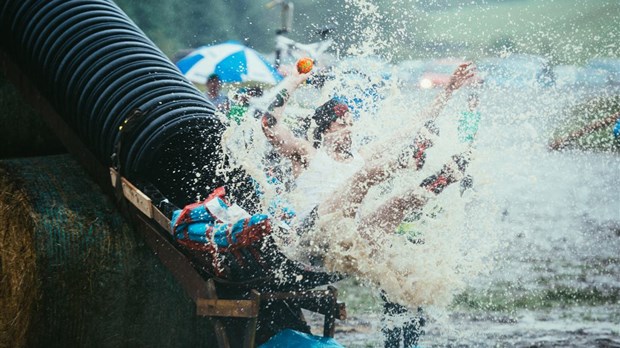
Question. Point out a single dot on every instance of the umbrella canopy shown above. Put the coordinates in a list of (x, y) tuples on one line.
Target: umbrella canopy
[(231, 61)]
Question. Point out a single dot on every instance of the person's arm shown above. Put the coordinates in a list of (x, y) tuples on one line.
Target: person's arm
[(408, 135), (278, 134), (559, 143), (462, 73)]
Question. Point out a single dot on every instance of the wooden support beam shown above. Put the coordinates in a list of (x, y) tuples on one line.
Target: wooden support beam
[(140, 200), (220, 330), (227, 308), (137, 198), (250, 330), (320, 301), (161, 220), (329, 323)]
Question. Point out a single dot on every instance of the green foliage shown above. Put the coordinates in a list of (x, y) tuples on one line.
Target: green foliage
[(182, 24), (358, 297), (569, 31), (509, 299)]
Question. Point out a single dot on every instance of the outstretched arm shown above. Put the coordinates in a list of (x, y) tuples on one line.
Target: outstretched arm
[(460, 76), (408, 135), (559, 143), (278, 134)]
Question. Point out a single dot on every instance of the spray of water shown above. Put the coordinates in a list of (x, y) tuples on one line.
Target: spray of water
[(438, 248), (528, 206)]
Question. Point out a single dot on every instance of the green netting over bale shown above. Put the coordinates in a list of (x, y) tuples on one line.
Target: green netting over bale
[(98, 285), (22, 131)]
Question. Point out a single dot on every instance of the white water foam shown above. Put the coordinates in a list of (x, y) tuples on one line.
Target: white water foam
[(454, 239)]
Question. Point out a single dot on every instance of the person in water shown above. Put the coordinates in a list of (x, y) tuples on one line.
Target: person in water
[(331, 177)]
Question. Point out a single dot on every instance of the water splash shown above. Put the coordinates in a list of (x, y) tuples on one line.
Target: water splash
[(528, 206), (454, 244)]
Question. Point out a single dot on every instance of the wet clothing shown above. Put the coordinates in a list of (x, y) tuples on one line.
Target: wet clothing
[(409, 331), (236, 112), (468, 126)]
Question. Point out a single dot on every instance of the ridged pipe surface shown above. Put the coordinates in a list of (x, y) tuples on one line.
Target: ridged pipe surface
[(95, 66)]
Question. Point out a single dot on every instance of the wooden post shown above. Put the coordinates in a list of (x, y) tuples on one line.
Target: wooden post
[(250, 330), (329, 325), (220, 331)]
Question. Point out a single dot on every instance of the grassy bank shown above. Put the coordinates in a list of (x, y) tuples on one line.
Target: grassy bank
[(503, 300), (569, 32)]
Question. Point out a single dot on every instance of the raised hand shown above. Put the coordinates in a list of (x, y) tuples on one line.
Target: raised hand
[(462, 73), (298, 77)]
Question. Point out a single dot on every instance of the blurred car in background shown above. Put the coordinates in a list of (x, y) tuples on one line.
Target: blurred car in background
[(437, 73)]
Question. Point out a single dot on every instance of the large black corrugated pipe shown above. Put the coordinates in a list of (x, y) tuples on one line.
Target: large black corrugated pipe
[(95, 66)]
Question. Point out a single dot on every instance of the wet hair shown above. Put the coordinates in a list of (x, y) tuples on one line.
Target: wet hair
[(324, 116)]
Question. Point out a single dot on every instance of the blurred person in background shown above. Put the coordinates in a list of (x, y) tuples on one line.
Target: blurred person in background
[(214, 93), (240, 102)]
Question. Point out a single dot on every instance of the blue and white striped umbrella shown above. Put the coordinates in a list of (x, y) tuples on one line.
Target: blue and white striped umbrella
[(231, 61)]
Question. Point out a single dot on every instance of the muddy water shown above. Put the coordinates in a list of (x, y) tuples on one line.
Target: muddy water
[(555, 280)]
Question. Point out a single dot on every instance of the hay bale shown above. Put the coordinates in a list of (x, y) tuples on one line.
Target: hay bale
[(18, 279), (86, 277)]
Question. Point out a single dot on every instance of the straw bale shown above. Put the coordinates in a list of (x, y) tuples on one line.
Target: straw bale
[(88, 280), (18, 279)]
